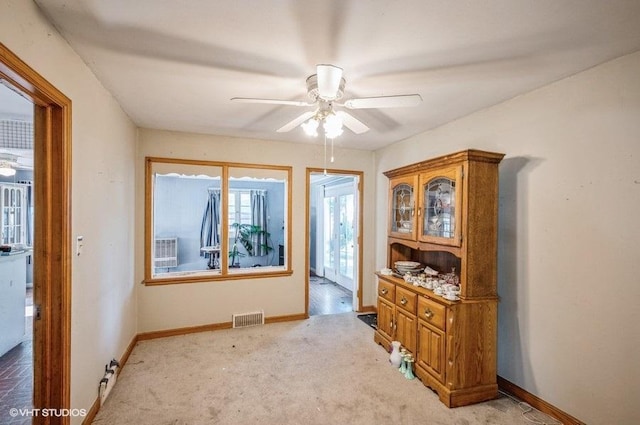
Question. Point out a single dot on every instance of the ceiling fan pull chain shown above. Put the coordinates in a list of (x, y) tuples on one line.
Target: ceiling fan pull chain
[(331, 150), (325, 154)]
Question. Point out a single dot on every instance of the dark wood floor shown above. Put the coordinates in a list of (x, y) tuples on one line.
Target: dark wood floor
[(327, 297), (16, 377)]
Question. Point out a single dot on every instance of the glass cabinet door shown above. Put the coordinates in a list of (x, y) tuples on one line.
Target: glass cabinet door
[(440, 206), (403, 208), (13, 215)]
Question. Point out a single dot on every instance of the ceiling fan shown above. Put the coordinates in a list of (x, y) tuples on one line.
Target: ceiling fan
[(325, 89)]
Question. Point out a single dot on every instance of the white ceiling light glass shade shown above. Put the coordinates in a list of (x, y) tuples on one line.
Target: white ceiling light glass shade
[(311, 127), (6, 170), (333, 126), (329, 77)]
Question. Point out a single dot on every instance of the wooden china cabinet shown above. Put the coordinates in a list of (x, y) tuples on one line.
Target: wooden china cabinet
[(444, 214)]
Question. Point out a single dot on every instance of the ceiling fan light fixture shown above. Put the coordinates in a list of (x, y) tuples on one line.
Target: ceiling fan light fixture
[(333, 126), (311, 127), (329, 78), (325, 89), (6, 170)]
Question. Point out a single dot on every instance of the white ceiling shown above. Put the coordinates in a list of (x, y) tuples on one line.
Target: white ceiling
[(175, 64)]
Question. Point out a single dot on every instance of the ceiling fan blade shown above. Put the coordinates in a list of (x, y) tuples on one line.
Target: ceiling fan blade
[(270, 101), (352, 123), (329, 77), (296, 122), (398, 101)]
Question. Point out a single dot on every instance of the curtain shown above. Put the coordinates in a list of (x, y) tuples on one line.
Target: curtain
[(209, 234), (259, 218)]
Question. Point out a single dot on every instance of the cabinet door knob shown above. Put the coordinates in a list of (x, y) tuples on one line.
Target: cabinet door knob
[(403, 301), (384, 291), (428, 313)]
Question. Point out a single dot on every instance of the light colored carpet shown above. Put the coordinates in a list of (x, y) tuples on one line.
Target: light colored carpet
[(324, 370)]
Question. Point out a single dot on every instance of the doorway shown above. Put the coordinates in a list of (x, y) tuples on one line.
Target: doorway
[(16, 242), (335, 231), (333, 242), (52, 235)]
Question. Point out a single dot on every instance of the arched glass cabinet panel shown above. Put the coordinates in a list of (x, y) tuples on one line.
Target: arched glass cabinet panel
[(440, 206), (403, 208)]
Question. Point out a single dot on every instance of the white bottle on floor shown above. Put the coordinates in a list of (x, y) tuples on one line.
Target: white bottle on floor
[(395, 358)]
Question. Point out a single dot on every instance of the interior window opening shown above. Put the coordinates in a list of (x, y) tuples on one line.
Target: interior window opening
[(212, 220)]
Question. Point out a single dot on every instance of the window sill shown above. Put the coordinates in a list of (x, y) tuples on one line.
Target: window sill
[(217, 276)]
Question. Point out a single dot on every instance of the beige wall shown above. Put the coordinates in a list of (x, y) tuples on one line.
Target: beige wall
[(569, 201), (177, 306), (569, 261), (103, 297)]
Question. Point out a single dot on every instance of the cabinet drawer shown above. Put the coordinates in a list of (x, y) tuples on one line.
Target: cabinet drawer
[(406, 299), (386, 290), (432, 312)]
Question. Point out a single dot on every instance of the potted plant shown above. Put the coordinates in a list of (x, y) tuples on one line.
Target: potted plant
[(244, 233), (235, 254)]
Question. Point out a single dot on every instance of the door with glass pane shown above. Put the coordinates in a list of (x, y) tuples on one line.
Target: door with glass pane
[(339, 235)]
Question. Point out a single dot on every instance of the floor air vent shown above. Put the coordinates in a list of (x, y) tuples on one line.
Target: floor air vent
[(248, 319)]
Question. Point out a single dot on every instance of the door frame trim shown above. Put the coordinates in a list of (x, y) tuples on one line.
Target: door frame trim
[(52, 242), (307, 261)]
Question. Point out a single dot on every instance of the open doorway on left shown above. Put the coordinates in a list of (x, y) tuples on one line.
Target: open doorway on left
[(16, 241)]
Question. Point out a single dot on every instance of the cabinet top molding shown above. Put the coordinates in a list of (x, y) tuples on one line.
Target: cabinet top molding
[(466, 155)]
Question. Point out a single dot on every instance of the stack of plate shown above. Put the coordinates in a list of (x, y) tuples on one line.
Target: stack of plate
[(407, 267)]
